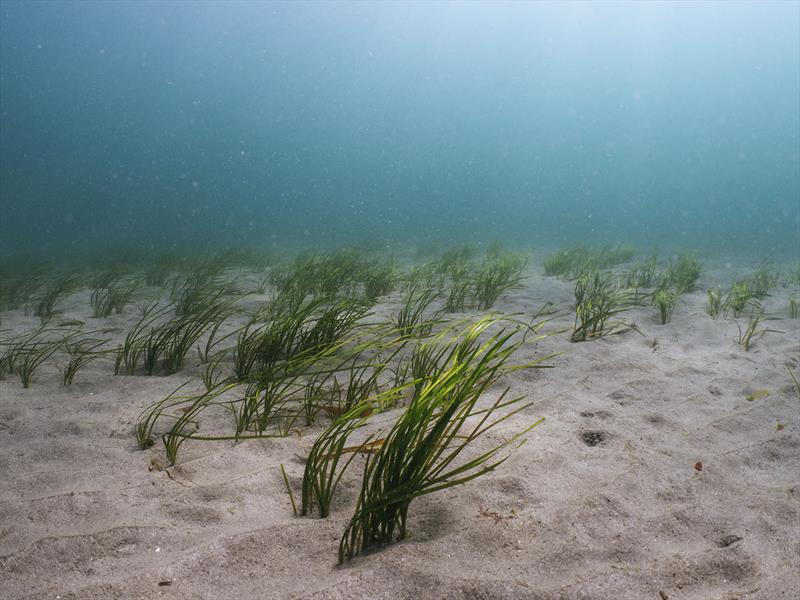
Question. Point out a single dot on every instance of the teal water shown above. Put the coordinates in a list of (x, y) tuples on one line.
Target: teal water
[(287, 125)]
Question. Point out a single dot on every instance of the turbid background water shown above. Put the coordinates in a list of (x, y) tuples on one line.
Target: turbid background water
[(288, 125)]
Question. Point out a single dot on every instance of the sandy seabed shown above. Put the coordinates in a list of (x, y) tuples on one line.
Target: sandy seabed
[(653, 477)]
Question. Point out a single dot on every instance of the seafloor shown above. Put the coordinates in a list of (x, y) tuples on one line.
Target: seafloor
[(668, 467)]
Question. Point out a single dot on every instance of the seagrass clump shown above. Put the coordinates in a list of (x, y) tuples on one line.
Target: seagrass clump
[(754, 329), (570, 262), (683, 273), (311, 330), (715, 301), (598, 302), (469, 284), (113, 296), (26, 353), (643, 275), (410, 320), (82, 351), (52, 294), (665, 299), (426, 450)]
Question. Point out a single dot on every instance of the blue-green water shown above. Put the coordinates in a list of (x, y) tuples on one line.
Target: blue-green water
[(140, 124)]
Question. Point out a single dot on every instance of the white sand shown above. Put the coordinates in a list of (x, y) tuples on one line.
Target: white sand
[(83, 514)]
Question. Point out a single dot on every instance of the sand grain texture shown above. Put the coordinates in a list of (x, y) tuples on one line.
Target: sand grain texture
[(605, 500)]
